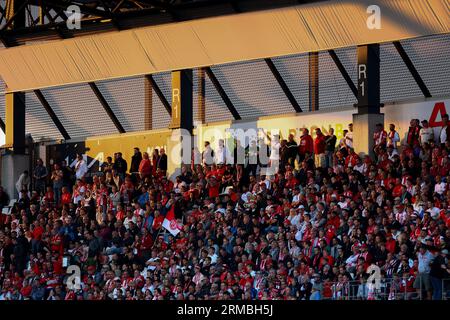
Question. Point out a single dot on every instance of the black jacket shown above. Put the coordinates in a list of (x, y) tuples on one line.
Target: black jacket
[(162, 162), (135, 162)]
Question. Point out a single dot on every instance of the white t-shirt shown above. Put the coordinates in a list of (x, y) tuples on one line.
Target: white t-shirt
[(426, 134), (349, 139), (440, 187), (443, 135), (81, 169), (220, 155)]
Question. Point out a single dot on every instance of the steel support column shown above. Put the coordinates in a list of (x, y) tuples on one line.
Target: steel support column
[(368, 105), (222, 93), (148, 104), (182, 100), (15, 102), (106, 106), (15, 121), (181, 140), (369, 79), (201, 105), (313, 81)]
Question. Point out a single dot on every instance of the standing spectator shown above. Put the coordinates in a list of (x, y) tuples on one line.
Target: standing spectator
[(40, 175), (306, 145), (330, 147), (120, 166), (57, 179), (67, 174), (81, 167), (426, 133), (145, 166), (135, 161), (23, 183), (292, 150), (349, 136), (413, 133), (108, 165), (425, 258), (155, 159), (221, 154), (319, 149), (444, 135), (275, 146), (439, 272), (379, 140), (393, 137), (252, 155), (162, 161), (208, 154)]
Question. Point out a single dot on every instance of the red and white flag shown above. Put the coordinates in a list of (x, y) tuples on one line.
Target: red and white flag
[(170, 223)]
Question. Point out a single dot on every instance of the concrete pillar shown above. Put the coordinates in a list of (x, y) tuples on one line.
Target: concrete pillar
[(180, 144), (368, 99), (13, 165), (363, 130)]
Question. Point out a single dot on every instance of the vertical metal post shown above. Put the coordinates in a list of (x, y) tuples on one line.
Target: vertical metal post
[(313, 81), (148, 104), (201, 106), (182, 99)]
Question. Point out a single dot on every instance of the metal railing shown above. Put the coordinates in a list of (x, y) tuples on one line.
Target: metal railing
[(389, 289)]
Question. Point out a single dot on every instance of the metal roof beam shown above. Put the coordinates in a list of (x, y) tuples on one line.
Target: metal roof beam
[(222, 94), (283, 85), (412, 69), (160, 94), (106, 106), (52, 114), (344, 72)]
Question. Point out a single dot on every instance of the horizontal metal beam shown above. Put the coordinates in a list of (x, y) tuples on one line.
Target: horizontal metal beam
[(144, 17), (412, 69), (344, 72), (52, 114), (160, 94), (222, 93), (106, 106), (283, 85)]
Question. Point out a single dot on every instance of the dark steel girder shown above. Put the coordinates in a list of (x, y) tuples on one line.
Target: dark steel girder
[(222, 94), (2, 125), (283, 85), (344, 72), (107, 107), (160, 94), (52, 114), (98, 19), (412, 69)]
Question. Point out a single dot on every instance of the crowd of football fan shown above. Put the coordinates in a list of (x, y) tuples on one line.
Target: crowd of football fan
[(309, 231)]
